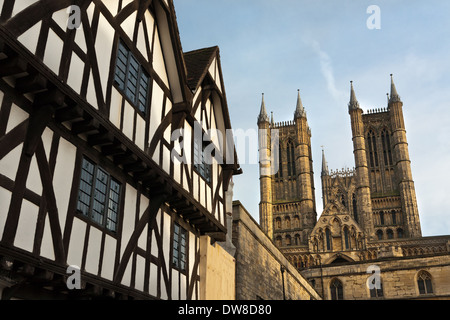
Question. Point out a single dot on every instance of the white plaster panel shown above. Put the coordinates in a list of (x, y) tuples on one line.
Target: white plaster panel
[(116, 107), (26, 227), (103, 48), (175, 277), (17, 115), (47, 242), (53, 51), (128, 120), (75, 77), (62, 181), (10, 162), (5, 199), (153, 280), (129, 216), (158, 60), (109, 256), (93, 250), (30, 37), (75, 253), (140, 273), (128, 25)]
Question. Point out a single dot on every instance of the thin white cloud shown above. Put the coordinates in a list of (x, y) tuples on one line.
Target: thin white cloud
[(327, 71)]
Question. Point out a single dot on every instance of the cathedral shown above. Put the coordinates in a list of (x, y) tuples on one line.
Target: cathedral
[(370, 220)]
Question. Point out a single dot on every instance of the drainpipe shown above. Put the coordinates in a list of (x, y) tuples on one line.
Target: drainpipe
[(282, 269)]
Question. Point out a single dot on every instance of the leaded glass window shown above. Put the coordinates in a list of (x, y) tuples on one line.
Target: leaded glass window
[(346, 238), (202, 166), (424, 283), (328, 239), (336, 290), (98, 195), (179, 247), (290, 159), (131, 78), (376, 293), (372, 144)]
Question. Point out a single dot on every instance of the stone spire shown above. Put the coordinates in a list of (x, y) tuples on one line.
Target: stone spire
[(299, 110), (353, 104), (324, 164), (394, 95), (263, 117), (272, 123)]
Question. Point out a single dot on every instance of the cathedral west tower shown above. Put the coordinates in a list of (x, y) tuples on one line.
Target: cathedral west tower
[(374, 201), (287, 207)]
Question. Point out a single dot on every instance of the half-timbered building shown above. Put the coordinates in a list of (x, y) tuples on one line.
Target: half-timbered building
[(106, 132)]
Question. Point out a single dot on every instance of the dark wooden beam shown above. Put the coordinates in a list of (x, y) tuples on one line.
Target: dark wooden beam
[(145, 176), (207, 227), (147, 219), (5, 49), (52, 97), (179, 114), (117, 148), (49, 194), (180, 204), (12, 66), (197, 221), (138, 166), (124, 159), (32, 83), (6, 263), (70, 113), (26, 270), (85, 126), (217, 236), (13, 138), (42, 275), (193, 213), (101, 138)]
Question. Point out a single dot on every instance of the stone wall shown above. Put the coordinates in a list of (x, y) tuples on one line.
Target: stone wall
[(259, 262), (398, 278), (217, 271)]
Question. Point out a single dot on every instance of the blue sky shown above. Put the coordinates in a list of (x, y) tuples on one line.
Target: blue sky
[(318, 46)]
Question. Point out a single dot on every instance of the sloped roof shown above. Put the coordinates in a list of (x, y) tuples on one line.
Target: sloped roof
[(197, 64)]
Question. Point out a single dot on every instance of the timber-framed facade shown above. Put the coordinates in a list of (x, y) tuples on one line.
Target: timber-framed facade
[(90, 174)]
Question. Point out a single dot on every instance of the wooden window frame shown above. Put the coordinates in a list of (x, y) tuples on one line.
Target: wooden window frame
[(93, 198), (201, 167), (178, 262), (122, 84)]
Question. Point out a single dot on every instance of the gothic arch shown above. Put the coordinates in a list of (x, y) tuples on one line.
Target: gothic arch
[(339, 257), (424, 282)]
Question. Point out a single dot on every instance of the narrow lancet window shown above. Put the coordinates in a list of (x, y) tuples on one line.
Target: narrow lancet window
[(290, 159)]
